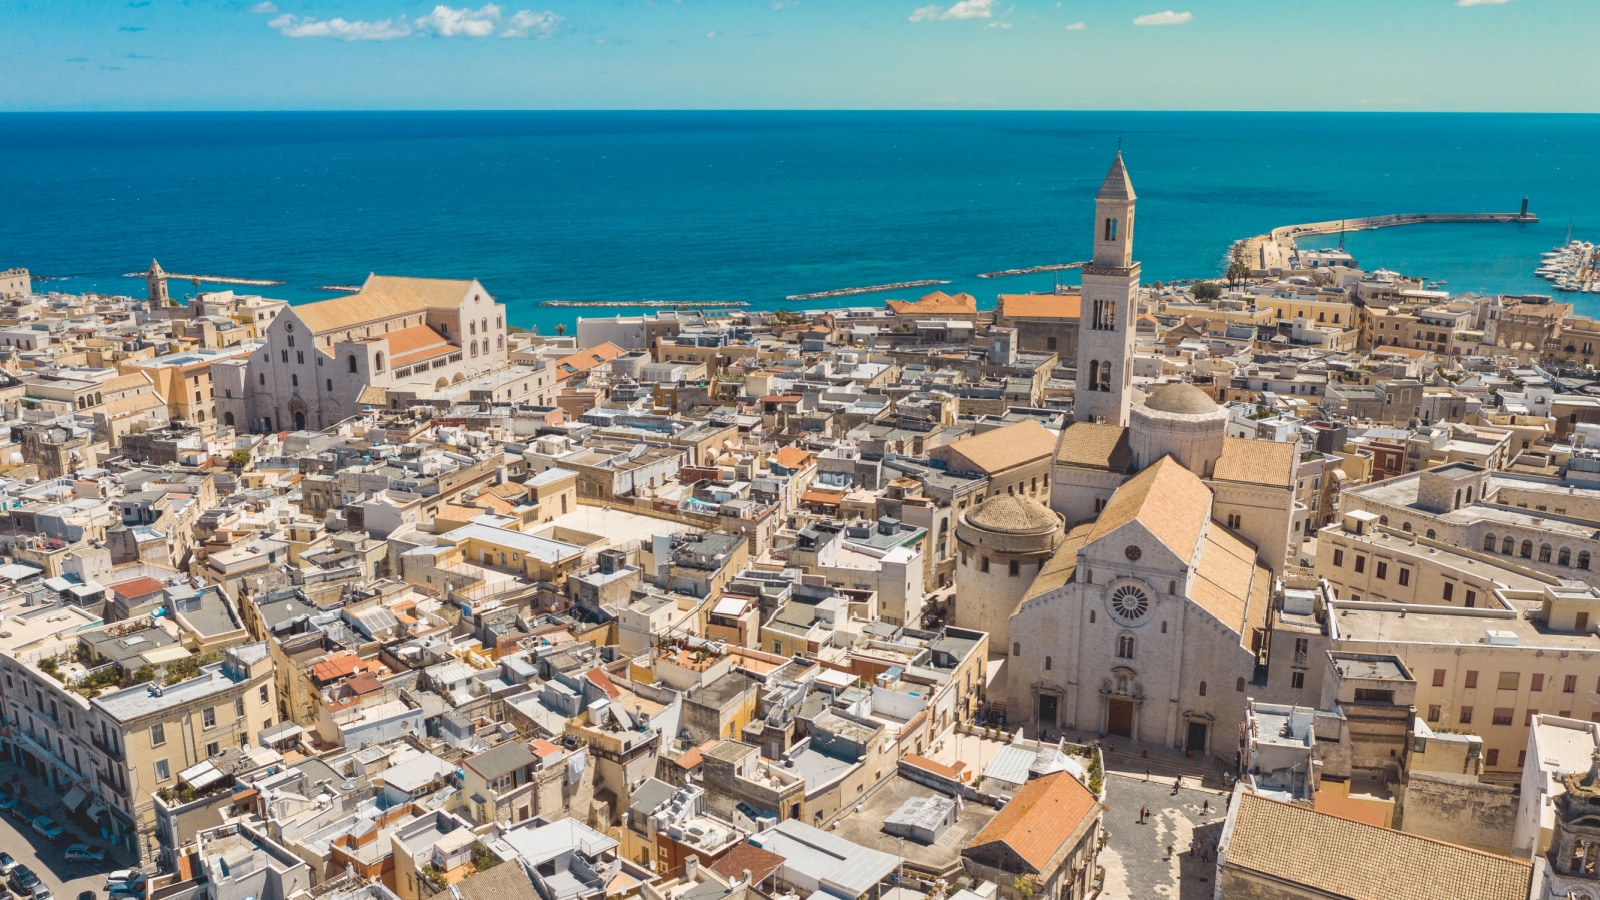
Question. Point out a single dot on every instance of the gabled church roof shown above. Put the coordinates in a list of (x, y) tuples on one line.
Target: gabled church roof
[(1116, 186), (1092, 445), (1230, 585), (1171, 502)]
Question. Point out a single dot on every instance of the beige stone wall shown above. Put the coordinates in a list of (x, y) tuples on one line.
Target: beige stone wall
[(1451, 809)]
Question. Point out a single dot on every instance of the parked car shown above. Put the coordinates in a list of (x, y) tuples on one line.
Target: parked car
[(8, 802), (126, 880), (86, 895), (85, 853), (40, 892), (5, 892), (7, 863), (47, 827), (125, 891), (22, 879)]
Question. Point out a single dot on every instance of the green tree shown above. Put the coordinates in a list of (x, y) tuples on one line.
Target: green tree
[(238, 459), (1206, 290)]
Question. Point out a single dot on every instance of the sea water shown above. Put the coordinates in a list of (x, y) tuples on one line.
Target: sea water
[(755, 206)]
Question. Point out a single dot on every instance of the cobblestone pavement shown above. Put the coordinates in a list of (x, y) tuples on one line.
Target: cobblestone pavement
[(1153, 859)]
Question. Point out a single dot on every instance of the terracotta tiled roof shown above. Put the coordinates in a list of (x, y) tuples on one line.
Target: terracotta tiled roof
[(1041, 819), (438, 293), (937, 303), (1336, 857), (1041, 306), (1229, 584), (335, 667), (1257, 462), (759, 862), (1171, 502), (1095, 446), (584, 360), (603, 681), (793, 457), (137, 587), (1059, 568), (1004, 448)]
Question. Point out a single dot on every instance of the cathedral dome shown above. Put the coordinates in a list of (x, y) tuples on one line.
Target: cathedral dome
[(1182, 398), (1011, 514)]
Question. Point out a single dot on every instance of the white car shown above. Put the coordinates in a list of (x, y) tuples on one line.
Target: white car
[(47, 827), (127, 880), (85, 853)]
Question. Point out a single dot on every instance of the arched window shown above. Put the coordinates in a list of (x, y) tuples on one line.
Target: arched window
[(1105, 375), (1202, 688), (1016, 648), (1431, 534), (472, 327), (1094, 374), (485, 324), (1111, 229), (1488, 543), (377, 360), (474, 349), (1508, 546), (351, 361), (1383, 520), (1583, 559), (1125, 646), (1047, 663), (1527, 550), (1564, 558), (1544, 553), (1238, 685), (1405, 526), (1458, 499), (227, 418), (1469, 495)]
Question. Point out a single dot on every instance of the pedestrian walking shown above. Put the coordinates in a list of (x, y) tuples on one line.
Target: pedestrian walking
[(1176, 784), (1205, 808), (1146, 773)]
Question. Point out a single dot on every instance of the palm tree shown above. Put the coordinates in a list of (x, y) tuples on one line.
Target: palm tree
[(561, 329)]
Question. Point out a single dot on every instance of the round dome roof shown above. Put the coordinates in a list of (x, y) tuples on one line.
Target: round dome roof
[(1011, 514), (1181, 397)]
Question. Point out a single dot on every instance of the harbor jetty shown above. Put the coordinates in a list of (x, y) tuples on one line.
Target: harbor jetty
[(869, 289), (1056, 267), (339, 288), (650, 304), (209, 279), (1275, 250)]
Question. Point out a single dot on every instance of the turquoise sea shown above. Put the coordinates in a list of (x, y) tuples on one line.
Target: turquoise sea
[(681, 206)]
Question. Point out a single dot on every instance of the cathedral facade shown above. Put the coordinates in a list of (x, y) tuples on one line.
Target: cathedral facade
[(1148, 620)]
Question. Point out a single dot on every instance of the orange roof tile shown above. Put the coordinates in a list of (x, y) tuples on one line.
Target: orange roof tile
[(792, 457), (1041, 306), (584, 360), (334, 667), (1171, 502), (1041, 819), (937, 303)]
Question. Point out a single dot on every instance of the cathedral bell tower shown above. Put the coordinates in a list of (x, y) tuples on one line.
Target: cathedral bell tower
[(156, 280), (1110, 303)]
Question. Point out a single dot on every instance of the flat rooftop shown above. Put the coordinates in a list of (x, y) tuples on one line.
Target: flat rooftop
[(620, 526), (1447, 627), (866, 827)]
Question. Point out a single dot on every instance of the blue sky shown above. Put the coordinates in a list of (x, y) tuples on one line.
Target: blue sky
[(1412, 55)]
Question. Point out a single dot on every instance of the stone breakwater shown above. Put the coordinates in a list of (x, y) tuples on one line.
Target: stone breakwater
[(1275, 249)]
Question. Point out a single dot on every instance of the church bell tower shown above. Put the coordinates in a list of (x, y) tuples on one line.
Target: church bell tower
[(1110, 303), (156, 280)]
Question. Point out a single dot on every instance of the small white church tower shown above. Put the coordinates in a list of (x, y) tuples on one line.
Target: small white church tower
[(1110, 303)]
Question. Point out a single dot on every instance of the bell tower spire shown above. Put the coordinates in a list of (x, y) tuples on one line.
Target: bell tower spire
[(1110, 302)]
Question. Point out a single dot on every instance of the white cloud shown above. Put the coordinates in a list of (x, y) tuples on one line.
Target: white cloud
[(710, 35), (447, 21), (265, 7), (963, 9), (527, 23), (1004, 26), (1165, 18), (343, 29), (1077, 26), (442, 21), (1481, 2)]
